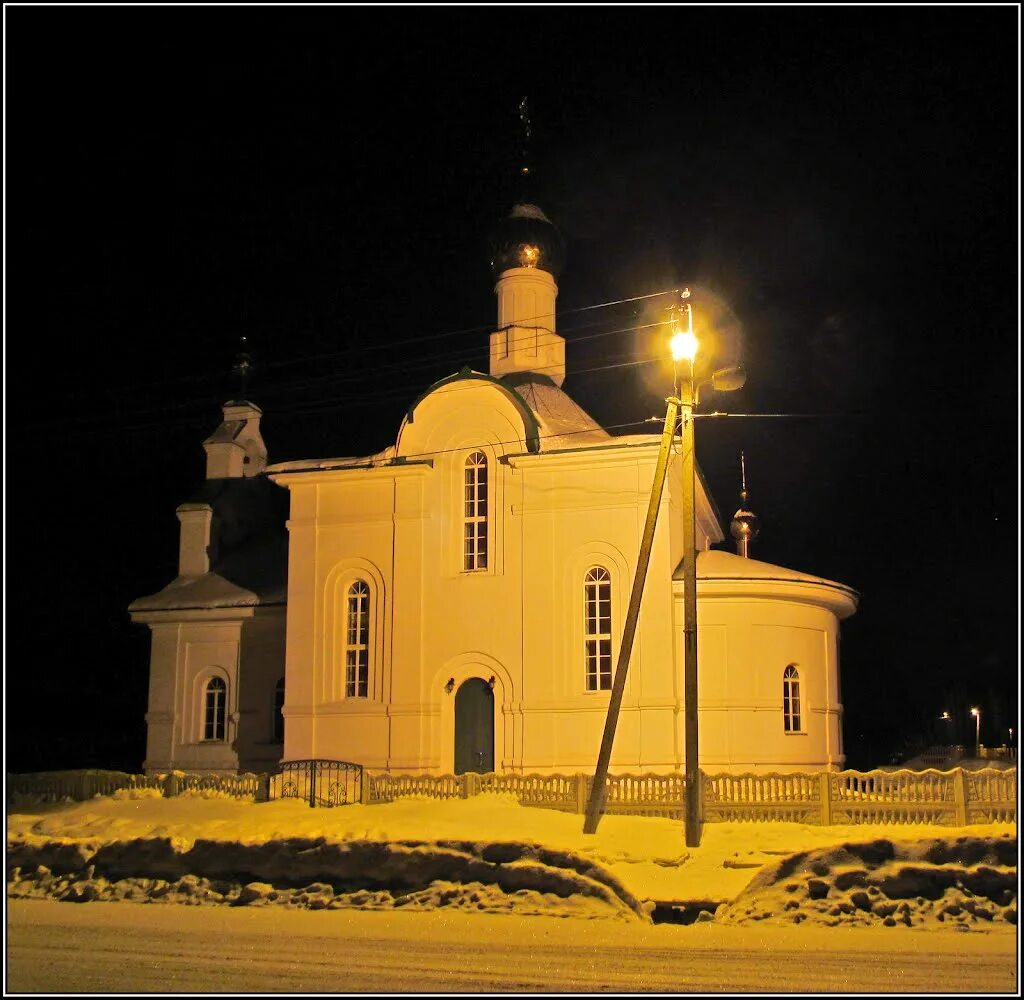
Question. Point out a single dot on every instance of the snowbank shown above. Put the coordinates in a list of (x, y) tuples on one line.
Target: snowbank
[(489, 853), (961, 882)]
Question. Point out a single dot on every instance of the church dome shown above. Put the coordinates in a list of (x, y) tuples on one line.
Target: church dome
[(526, 237), (744, 526)]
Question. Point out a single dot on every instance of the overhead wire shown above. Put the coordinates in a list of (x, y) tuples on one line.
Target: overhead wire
[(355, 350), (400, 389), (334, 403), (655, 437), (473, 329)]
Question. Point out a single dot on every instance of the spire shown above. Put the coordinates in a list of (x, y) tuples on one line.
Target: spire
[(744, 522), (527, 252), (236, 448), (243, 367), (525, 151)]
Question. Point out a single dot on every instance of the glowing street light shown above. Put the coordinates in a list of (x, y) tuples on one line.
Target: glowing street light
[(684, 347), (683, 344), (976, 712)]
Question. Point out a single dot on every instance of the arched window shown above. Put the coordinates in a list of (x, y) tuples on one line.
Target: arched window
[(357, 641), (279, 711), (475, 512), (597, 628), (791, 700), (215, 711)]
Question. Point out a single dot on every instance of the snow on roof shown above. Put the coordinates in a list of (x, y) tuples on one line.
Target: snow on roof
[(719, 568), (563, 422), (251, 565), (211, 590), (524, 210), (385, 457), (226, 432), (717, 564)]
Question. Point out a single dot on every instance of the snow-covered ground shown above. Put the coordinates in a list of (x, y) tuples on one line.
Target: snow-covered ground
[(113, 947), (490, 854)]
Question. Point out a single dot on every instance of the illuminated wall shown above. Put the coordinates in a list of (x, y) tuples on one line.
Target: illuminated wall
[(396, 523)]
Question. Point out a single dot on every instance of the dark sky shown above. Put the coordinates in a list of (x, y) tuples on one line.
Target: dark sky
[(840, 183)]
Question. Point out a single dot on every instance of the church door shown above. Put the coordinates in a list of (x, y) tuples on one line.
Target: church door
[(474, 727)]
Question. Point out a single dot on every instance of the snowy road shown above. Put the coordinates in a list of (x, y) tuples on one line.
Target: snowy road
[(126, 947)]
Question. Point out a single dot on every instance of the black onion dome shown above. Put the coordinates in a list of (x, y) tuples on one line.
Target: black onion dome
[(526, 237)]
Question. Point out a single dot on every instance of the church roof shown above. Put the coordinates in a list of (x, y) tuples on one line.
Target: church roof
[(556, 422), (720, 569), (563, 422), (206, 592), (250, 567)]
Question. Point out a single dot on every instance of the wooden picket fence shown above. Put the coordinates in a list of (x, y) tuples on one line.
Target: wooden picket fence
[(953, 798), (56, 786)]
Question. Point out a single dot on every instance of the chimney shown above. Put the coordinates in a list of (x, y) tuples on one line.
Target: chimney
[(195, 540)]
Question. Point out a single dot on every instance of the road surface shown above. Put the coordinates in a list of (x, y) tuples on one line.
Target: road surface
[(130, 947)]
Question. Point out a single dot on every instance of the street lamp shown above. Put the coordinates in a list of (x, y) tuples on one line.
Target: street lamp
[(976, 712), (684, 347)]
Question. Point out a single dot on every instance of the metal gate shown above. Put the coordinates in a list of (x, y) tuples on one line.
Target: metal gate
[(319, 782)]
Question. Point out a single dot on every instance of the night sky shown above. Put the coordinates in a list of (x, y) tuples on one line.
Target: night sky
[(838, 185)]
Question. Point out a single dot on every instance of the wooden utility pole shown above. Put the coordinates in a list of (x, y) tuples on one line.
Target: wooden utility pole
[(595, 804), (692, 766)]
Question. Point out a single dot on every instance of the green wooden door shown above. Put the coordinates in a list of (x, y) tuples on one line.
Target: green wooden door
[(474, 727)]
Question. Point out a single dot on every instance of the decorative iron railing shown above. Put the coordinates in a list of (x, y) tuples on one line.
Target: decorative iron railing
[(320, 782)]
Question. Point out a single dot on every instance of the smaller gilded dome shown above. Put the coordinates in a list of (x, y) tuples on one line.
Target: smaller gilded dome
[(744, 525), (526, 237)]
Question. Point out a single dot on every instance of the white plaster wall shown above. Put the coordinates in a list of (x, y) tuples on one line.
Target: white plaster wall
[(519, 622), (744, 645), (162, 710), (262, 658)]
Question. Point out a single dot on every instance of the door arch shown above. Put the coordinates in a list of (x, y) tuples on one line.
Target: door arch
[(474, 727)]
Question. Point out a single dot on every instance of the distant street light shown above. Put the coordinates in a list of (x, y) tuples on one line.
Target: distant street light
[(976, 712), (684, 347)]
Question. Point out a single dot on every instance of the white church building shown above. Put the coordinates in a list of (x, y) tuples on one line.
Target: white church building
[(455, 603)]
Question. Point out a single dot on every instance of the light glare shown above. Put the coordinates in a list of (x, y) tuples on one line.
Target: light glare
[(684, 347)]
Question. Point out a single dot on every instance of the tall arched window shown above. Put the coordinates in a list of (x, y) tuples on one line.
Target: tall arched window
[(357, 640), (215, 709), (597, 628), (791, 700), (279, 711), (475, 515)]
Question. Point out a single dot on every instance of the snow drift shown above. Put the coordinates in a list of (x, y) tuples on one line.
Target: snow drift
[(961, 882)]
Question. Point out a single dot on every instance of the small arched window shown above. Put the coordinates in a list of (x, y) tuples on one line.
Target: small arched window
[(475, 512), (279, 711), (357, 640), (791, 700), (597, 628), (215, 709)]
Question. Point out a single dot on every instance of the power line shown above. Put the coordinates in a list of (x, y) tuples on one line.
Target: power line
[(472, 329), (395, 391), (355, 351), (516, 441)]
